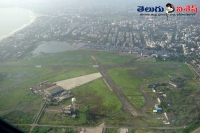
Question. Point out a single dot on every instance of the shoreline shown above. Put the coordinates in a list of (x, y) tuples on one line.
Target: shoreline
[(33, 15)]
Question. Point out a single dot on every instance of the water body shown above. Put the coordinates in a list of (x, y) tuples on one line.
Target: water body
[(14, 19), (53, 47)]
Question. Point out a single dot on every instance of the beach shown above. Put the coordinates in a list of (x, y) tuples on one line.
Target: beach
[(33, 17)]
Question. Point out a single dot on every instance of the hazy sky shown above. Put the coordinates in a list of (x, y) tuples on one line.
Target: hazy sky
[(134, 2)]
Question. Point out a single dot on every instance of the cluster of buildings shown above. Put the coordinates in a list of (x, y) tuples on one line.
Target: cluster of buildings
[(120, 29), (51, 92), (159, 108)]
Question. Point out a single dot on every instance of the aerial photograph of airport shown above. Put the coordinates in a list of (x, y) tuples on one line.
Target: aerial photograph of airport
[(99, 66)]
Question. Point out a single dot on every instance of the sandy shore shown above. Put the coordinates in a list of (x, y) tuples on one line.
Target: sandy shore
[(33, 15)]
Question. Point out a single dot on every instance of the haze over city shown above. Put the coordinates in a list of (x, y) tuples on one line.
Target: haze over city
[(91, 66)]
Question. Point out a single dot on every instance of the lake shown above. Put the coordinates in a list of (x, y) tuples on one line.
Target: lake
[(53, 47)]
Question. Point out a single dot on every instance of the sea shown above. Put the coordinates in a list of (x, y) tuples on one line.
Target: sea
[(14, 19)]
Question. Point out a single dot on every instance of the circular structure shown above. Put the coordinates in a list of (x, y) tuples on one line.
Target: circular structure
[(73, 100)]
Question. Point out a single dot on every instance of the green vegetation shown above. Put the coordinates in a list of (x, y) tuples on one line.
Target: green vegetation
[(95, 101), (147, 89), (124, 118), (180, 58), (192, 127), (131, 92), (189, 71), (133, 77), (132, 131), (106, 100), (146, 72), (110, 130), (16, 75), (71, 73), (19, 90), (19, 117), (41, 129), (25, 128), (191, 84), (183, 102), (137, 101), (20, 95), (56, 118), (148, 59), (122, 77), (91, 112), (156, 131), (119, 118), (111, 58), (62, 130), (70, 58), (135, 97), (76, 57)]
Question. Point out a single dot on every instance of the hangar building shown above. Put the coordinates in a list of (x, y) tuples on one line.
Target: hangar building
[(54, 90)]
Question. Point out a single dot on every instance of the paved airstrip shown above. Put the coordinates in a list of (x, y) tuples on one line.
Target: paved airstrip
[(74, 82)]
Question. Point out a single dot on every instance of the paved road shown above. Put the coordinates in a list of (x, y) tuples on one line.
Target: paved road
[(52, 66), (116, 89), (193, 69), (106, 126), (196, 131), (38, 116)]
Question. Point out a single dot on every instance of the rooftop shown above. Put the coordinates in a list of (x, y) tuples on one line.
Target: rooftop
[(54, 89)]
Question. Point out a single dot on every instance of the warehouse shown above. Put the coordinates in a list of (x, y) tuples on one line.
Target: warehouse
[(54, 90)]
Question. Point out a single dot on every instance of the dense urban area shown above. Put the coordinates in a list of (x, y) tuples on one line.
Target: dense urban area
[(130, 73)]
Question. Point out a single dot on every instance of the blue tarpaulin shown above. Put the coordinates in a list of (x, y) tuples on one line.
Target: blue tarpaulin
[(159, 109)]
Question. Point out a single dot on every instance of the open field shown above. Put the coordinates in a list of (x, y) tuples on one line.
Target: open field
[(76, 57), (135, 97), (185, 101), (121, 77), (56, 119), (16, 75), (110, 130), (124, 118), (70, 58), (24, 128), (97, 129), (74, 82), (95, 101), (16, 80), (20, 93), (156, 131), (106, 100), (19, 117), (18, 96), (111, 58), (147, 72), (52, 130), (104, 104)]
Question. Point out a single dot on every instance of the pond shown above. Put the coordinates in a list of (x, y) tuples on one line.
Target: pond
[(53, 47)]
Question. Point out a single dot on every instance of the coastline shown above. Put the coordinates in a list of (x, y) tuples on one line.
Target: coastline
[(33, 15)]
